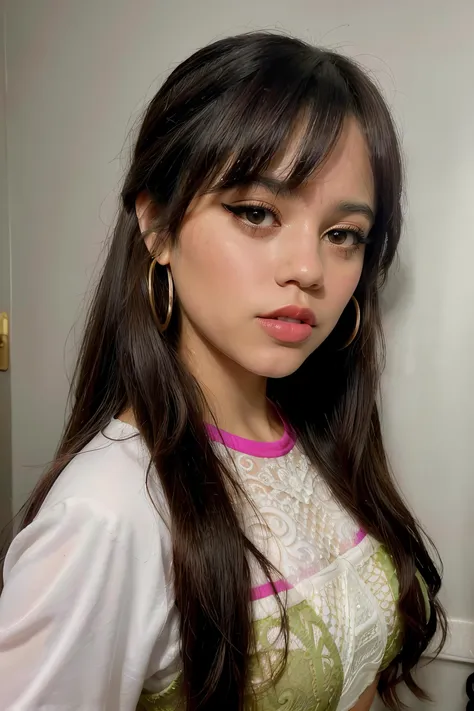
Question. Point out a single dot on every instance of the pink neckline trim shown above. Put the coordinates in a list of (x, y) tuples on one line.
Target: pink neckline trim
[(249, 446)]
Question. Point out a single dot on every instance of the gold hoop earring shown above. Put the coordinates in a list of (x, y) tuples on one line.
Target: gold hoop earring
[(354, 333), (151, 295)]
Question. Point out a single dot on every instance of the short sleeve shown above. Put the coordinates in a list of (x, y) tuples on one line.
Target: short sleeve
[(80, 612)]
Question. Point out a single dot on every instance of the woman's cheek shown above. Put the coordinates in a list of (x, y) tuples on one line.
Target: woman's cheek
[(217, 271)]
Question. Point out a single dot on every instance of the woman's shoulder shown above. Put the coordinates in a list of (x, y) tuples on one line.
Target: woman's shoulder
[(104, 500), (110, 475), (93, 573)]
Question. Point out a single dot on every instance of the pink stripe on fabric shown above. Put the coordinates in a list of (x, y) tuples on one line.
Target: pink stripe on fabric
[(359, 536), (249, 446), (266, 590)]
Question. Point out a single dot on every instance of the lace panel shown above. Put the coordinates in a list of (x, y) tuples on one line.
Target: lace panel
[(379, 574), (312, 678), (299, 525), (342, 601)]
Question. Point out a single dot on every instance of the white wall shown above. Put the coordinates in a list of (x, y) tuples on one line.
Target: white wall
[(78, 74)]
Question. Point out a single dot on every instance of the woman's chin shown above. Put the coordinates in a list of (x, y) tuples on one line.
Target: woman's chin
[(278, 365)]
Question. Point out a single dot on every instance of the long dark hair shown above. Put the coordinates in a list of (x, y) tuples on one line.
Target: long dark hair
[(221, 118)]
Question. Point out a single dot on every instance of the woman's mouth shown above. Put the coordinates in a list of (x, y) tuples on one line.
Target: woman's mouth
[(290, 324)]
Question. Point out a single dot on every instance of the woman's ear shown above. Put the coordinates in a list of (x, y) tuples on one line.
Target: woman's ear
[(147, 215)]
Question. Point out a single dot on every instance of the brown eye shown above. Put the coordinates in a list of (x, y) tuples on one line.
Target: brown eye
[(344, 238), (255, 215)]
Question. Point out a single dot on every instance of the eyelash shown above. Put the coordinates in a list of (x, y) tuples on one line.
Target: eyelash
[(238, 211), (358, 234)]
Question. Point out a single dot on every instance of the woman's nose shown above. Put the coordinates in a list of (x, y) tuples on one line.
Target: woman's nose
[(300, 263)]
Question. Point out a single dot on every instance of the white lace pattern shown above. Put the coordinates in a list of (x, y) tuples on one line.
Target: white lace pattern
[(316, 546)]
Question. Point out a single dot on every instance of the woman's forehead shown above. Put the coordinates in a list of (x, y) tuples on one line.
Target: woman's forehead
[(346, 172)]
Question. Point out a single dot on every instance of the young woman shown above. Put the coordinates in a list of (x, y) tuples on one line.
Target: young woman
[(219, 529)]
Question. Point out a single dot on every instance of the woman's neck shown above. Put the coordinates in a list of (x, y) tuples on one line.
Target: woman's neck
[(236, 398), (238, 404)]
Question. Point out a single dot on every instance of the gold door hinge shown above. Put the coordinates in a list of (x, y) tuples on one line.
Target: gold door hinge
[(4, 345)]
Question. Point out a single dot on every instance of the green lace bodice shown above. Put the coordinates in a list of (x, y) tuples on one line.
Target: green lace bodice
[(315, 675)]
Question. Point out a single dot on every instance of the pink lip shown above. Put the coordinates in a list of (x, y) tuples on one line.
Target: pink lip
[(287, 332), (296, 312)]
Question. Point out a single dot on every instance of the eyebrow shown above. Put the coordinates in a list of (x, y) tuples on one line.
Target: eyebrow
[(276, 186), (356, 208), (285, 189)]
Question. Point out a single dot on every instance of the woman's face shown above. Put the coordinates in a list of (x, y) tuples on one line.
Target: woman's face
[(249, 257)]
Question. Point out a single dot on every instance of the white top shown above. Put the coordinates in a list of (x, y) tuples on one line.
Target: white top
[(87, 616), (87, 613)]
